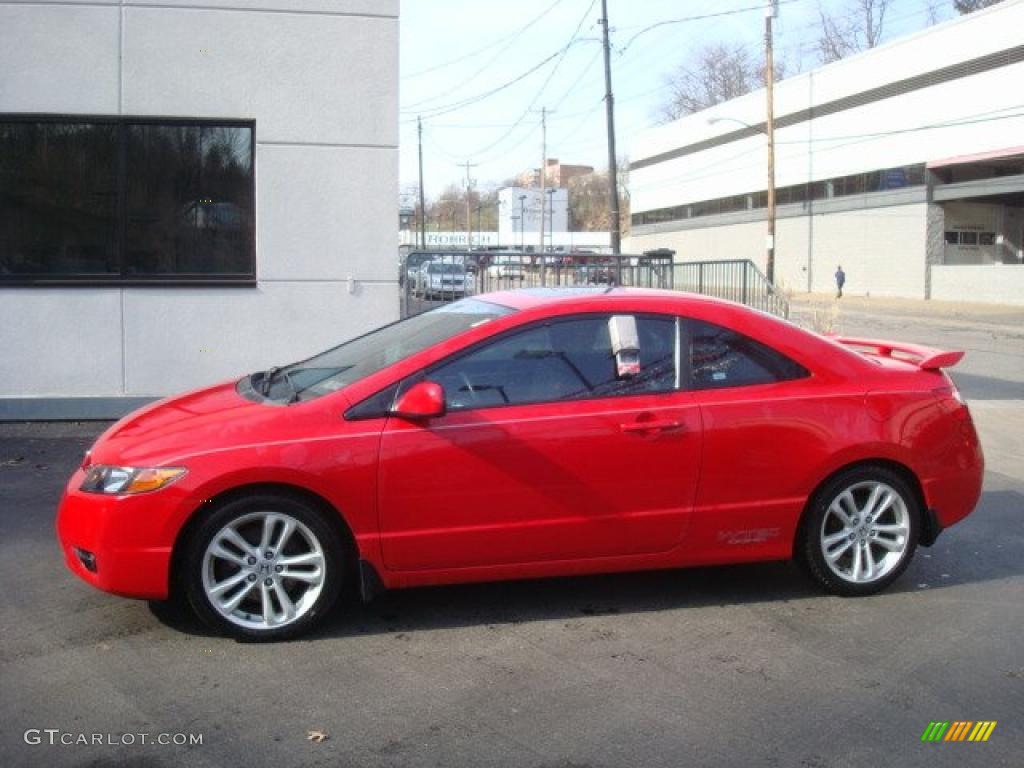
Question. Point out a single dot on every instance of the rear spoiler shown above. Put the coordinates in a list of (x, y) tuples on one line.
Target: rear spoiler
[(925, 358)]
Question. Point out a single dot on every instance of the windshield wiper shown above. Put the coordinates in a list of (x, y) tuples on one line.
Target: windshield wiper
[(268, 376), (268, 381)]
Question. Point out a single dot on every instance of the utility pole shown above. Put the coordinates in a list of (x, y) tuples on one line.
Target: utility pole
[(423, 206), (543, 181), (613, 171), (469, 209), (769, 79)]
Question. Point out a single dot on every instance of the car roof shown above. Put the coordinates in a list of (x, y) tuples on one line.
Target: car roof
[(533, 298), (807, 347)]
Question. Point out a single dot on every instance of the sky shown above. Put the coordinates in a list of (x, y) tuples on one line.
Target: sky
[(455, 51)]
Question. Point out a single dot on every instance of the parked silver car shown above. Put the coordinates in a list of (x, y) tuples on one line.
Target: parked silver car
[(440, 280)]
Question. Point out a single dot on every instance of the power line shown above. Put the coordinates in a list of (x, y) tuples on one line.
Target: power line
[(469, 101), (561, 117), (575, 83), (533, 101), (511, 38), (579, 125), (462, 84), (700, 17), (540, 92), (451, 157)]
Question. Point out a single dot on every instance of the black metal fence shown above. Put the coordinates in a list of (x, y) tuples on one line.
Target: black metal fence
[(734, 279), (429, 278)]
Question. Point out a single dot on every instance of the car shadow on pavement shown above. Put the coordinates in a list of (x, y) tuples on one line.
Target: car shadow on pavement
[(953, 561), (975, 387), (563, 598)]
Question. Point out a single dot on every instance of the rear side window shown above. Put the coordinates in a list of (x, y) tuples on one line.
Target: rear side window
[(720, 357)]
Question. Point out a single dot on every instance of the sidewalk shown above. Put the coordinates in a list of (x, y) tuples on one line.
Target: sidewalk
[(994, 316)]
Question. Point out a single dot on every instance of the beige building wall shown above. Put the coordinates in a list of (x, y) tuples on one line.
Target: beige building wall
[(881, 250), (994, 283)]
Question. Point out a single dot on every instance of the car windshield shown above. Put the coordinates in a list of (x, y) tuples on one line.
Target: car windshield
[(365, 355)]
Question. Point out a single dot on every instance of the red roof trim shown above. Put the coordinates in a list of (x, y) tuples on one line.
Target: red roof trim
[(996, 154)]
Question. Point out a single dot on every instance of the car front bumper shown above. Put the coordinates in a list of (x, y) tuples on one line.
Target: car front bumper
[(122, 536)]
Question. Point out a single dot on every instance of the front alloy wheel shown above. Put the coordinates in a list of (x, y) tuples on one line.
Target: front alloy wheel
[(862, 531), (263, 567)]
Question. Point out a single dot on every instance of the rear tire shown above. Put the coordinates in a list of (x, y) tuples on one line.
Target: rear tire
[(263, 567), (861, 531)]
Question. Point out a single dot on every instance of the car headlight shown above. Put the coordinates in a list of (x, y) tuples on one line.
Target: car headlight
[(101, 478)]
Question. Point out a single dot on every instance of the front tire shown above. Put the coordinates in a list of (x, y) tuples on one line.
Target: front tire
[(861, 531), (263, 567)]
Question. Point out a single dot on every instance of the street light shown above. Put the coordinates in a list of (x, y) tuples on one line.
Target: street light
[(769, 131), (522, 222), (514, 220), (497, 220), (551, 216)]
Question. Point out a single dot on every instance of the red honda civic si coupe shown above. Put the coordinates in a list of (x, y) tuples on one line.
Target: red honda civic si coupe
[(527, 434)]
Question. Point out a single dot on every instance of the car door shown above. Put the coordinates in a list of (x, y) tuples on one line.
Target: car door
[(767, 423), (545, 453)]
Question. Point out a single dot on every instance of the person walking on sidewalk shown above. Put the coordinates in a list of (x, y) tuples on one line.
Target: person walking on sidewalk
[(840, 281)]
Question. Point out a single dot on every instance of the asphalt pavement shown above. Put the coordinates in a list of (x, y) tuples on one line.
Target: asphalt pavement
[(732, 666)]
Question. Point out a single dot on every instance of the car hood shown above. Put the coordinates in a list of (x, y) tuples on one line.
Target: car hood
[(204, 420)]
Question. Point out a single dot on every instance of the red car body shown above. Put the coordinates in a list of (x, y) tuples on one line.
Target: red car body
[(543, 489)]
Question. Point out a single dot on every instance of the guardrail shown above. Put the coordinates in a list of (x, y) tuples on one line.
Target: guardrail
[(432, 277), (733, 279)]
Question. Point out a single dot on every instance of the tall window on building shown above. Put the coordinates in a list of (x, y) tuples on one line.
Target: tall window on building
[(126, 200)]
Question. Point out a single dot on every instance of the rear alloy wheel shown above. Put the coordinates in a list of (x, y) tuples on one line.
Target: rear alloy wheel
[(861, 532), (263, 567)]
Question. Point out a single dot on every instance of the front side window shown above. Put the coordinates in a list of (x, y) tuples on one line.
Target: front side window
[(558, 361), (720, 357), (126, 199)]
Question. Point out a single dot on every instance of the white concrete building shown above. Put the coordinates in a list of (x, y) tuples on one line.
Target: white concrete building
[(189, 191), (519, 212), (905, 164)]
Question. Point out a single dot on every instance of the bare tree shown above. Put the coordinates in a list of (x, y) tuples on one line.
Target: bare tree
[(859, 27), (713, 74), (963, 7), (588, 201), (448, 210)]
